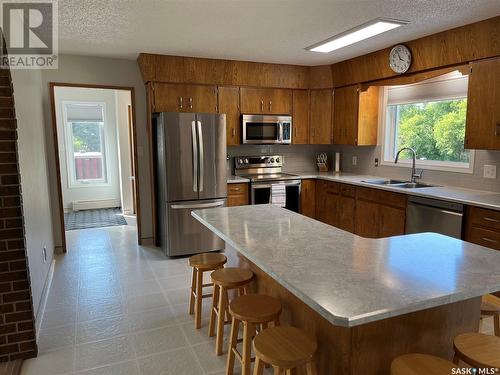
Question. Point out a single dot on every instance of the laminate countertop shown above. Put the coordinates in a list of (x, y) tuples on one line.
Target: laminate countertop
[(351, 280)]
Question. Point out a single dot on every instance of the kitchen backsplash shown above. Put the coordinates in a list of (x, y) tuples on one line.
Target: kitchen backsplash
[(366, 165), (301, 158)]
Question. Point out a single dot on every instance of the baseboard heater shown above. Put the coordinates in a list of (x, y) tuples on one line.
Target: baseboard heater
[(93, 204)]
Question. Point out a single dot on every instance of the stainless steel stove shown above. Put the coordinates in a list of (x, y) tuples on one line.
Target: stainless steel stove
[(269, 185)]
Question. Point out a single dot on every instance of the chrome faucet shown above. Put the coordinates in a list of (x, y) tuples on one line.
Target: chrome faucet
[(414, 174)]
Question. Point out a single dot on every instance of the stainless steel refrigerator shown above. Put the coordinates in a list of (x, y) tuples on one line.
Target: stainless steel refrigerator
[(190, 174)]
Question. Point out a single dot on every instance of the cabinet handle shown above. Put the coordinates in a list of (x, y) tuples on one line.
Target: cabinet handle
[(270, 106), (491, 219), (180, 103), (489, 240), (497, 129), (233, 132), (191, 103), (235, 189), (262, 105)]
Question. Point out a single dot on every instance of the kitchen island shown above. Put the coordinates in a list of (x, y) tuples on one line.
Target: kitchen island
[(365, 300)]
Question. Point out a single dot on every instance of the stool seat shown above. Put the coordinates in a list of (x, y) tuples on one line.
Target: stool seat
[(418, 364), (207, 261), (285, 347), (490, 305), (477, 349), (232, 277), (255, 308)]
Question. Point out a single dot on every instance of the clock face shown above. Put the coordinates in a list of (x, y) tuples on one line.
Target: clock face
[(400, 58)]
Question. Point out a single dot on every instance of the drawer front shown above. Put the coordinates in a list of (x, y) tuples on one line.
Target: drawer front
[(348, 190), (383, 197), (237, 200), (485, 218), (484, 237), (237, 189)]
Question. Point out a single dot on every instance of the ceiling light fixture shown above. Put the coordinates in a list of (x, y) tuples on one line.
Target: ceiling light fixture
[(361, 32)]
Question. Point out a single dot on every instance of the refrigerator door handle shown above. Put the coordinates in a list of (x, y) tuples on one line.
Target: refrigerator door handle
[(202, 162), (195, 156), (197, 205)]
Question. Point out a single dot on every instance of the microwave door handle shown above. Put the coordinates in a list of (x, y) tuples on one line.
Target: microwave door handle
[(195, 156), (281, 132), (202, 156)]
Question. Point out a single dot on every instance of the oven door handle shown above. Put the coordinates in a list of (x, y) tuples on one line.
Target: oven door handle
[(261, 186)]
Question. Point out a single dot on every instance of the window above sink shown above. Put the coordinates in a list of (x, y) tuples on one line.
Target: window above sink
[(429, 117)]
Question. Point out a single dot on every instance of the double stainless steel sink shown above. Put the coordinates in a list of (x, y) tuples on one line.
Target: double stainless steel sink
[(398, 183)]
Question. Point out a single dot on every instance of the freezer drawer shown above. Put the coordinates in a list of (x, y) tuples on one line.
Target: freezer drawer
[(184, 234)]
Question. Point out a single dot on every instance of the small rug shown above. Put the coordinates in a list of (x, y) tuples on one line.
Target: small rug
[(104, 217)]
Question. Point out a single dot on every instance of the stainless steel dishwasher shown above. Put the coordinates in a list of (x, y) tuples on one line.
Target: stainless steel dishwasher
[(431, 215)]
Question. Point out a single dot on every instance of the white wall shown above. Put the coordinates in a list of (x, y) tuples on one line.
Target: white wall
[(34, 178), (123, 100), (102, 71), (111, 190)]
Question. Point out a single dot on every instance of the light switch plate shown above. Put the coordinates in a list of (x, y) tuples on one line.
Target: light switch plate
[(490, 171), (354, 160)]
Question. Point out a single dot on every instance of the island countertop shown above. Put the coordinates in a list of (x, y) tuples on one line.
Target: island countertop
[(351, 280)]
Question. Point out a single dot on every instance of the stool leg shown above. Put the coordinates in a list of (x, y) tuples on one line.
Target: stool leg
[(248, 334), (277, 322), (241, 291), (259, 367), (496, 322), (193, 289), (456, 359), (277, 370), (311, 368), (288, 371), (215, 303), (199, 293), (221, 317), (235, 327)]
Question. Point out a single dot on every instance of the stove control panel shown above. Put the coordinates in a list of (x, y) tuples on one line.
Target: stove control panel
[(245, 162)]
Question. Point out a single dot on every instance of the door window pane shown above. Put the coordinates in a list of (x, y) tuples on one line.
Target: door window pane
[(88, 153)]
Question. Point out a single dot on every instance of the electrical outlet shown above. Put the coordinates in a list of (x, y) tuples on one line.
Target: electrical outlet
[(354, 160), (489, 171), (376, 162), (44, 254)]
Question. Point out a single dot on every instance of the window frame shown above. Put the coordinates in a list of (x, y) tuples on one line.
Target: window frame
[(70, 160), (388, 145)]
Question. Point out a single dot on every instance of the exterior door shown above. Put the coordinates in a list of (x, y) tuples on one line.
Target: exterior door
[(181, 155), (211, 131)]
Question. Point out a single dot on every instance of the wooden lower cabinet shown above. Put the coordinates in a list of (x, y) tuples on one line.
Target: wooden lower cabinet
[(237, 194), (482, 227), (308, 198), (335, 204), (379, 213)]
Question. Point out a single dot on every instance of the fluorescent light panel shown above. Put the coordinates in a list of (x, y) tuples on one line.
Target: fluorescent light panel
[(361, 32)]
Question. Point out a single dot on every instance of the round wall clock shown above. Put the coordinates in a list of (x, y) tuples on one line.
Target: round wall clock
[(400, 58)]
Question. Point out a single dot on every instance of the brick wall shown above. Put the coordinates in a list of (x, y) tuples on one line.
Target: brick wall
[(17, 331)]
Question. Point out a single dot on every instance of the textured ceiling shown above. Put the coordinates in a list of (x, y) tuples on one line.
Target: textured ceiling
[(255, 30)]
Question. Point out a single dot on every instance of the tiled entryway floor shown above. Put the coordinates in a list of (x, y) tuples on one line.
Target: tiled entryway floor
[(117, 308)]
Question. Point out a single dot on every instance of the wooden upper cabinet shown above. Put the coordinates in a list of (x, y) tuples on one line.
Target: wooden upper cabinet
[(170, 97), (300, 117), (482, 129), (265, 101), (320, 125), (355, 116), (229, 103)]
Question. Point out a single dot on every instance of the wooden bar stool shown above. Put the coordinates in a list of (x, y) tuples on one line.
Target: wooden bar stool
[(225, 279), (202, 263), (285, 348), (490, 306), (418, 364), (251, 310), (477, 350)]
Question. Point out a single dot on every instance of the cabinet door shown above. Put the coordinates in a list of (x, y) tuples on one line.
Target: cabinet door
[(252, 100), (320, 117), (391, 221), (308, 198), (367, 217), (169, 97), (345, 128), (367, 127), (347, 207), (321, 197), (237, 194), (482, 129), (229, 103), (300, 117), (278, 101)]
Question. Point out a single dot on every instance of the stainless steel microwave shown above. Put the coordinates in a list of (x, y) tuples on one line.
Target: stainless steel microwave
[(267, 129)]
